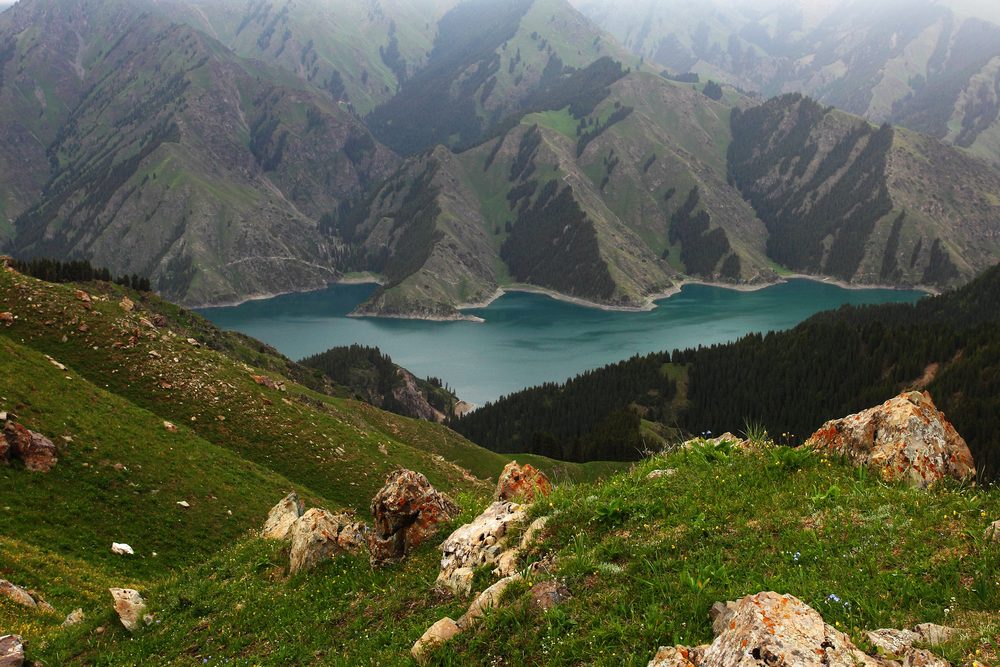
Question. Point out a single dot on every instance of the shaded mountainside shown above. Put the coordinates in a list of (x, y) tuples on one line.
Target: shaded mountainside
[(789, 382), (867, 205), (151, 149), (930, 66)]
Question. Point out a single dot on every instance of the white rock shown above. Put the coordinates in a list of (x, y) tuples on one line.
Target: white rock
[(477, 544), (183, 503), (130, 607), (282, 517), (121, 549)]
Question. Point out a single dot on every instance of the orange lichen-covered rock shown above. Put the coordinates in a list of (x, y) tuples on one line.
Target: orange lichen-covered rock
[(406, 511), (906, 438), (522, 483)]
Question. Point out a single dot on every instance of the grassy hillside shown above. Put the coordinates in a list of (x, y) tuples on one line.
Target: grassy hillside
[(643, 560)]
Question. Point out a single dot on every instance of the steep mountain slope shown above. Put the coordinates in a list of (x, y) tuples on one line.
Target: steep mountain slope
[(930, 66), (151, 149), (490, 60), (867, 205), (788, 383), (595, 199), (359, 53)]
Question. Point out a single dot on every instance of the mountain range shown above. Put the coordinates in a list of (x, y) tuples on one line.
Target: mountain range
[(231, 150)]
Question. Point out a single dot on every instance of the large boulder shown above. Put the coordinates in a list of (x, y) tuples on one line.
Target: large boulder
[(129, 606), (476, 544), (319, 535), (37, 452), (406, 511), (525, 483), (11, 651), (282, 516), (906, 438)]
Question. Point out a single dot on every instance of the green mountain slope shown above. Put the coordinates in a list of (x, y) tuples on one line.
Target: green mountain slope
[(357, 52), (643, 560), (149, 148), (490, 60), (929, 66)]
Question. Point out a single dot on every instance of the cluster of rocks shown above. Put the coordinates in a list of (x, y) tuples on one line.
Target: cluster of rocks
[(780, 630), (483, 543), (24, 597), (905, 439), (37, 452), (406, 511)]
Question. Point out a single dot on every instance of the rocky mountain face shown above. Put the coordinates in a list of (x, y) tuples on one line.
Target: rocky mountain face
[(148, 147), (929, 66)]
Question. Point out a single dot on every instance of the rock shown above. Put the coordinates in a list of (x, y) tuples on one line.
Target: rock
[(906, 438), (159, 321), (265, 381), (75, 617), (193, 342), (130, 607), (721, 613), (437, 634), (127, 304), (282, 516), (184, 503), (170, 426), (933, 634), (55, 363), (319, 535), (771, 629), (11, 651), (892, 642), (7, 318), (477, 544), (659, 474), (85, 298), (676, 656), (486, 600), (407, 511), (919, 657), (992, 533), (524, 483), (547, 594), (16, 594), (37, 452), (508, 561), (121, 549)]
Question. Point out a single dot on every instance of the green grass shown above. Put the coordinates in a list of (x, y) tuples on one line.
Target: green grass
[(644, 560)]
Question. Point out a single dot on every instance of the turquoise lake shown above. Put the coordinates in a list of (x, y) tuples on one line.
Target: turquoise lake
[(528, 339)]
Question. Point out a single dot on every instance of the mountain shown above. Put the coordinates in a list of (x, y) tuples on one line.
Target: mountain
[(358, 53), (614, 193), (930, 66), (491, 60), (788, 383), (148, 147)]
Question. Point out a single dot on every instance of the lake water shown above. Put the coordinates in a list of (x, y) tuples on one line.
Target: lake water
[(528, 339)]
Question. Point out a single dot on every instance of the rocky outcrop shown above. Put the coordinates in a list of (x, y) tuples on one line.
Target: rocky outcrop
[(546, 595), (906, 438), (782, 631), (406, 511), (525, 483), (992, 533), (35, 450), (726, 437), (477, 544), (282, 517), (319, 535), (129, 606), (11, 651), (899, 643), (24, 597), (508, 562), (437, 634)]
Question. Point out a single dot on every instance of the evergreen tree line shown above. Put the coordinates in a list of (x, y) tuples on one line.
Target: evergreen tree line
[(833, 364), (76, 271)]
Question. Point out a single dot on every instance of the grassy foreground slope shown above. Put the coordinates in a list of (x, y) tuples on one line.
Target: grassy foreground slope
[(644, 559)]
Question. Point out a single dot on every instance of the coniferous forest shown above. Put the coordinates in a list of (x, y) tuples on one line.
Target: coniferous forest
[(790, 382)]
